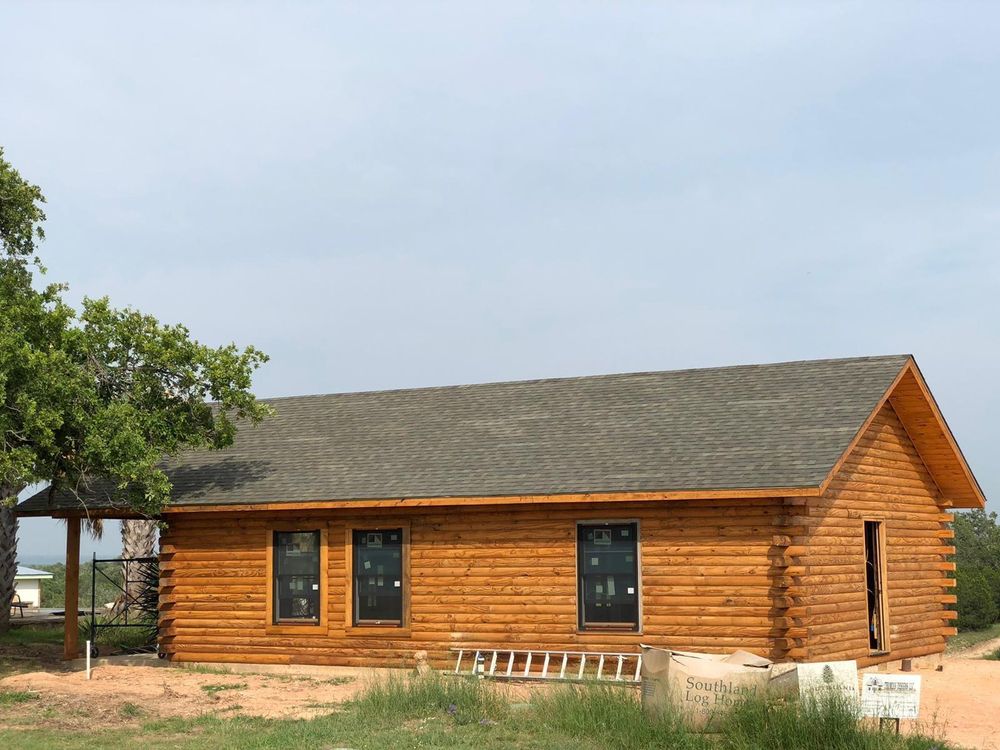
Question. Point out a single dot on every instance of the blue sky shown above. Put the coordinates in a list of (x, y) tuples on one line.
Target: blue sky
[(388, 195)]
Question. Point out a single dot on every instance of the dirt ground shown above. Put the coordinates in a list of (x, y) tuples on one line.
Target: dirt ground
[(960, 703), (166, 692)]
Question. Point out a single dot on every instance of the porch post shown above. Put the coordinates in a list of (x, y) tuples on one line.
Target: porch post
[(71, 637)]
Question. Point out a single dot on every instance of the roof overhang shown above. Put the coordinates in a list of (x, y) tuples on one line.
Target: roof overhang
[(934, 441), (435, 502)]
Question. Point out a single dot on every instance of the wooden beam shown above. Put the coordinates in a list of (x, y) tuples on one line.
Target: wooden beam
[(927, 437), (432, 502), (71, 638)]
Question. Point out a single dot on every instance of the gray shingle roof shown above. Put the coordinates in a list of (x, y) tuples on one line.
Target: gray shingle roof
[(756, 426)]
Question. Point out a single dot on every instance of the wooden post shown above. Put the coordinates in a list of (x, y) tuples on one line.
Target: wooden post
[(71, 636)]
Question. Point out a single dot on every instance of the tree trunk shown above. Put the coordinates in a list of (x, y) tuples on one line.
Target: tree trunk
[(8, 552), (138, 540)]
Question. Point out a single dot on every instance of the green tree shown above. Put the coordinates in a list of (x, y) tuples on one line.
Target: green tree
[(976, 607), (977, 547), (100, 397)]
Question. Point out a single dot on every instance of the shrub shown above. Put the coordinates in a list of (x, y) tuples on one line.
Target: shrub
[(977, 608)]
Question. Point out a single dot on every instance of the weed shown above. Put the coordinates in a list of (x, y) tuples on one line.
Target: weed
[(10, 697), (466, 700), (336, 681), (218, 688), (130, 711), (204, 669)]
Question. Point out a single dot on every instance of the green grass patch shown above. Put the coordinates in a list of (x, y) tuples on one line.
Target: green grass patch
[(219, 687), (613, 713), (30, 635), (470, 714), (336, 681), (11, 697), (966, 639), (810, 725), (117, 638), (204, 669), (130, 711), (465, 700)]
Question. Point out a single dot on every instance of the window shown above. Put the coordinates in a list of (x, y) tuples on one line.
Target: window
[(378, 577), (878, 630), (296, 558), (608, 567)]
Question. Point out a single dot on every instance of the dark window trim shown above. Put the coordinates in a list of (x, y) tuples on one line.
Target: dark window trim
[(598, 627), (356, 621), (274, 623), (275, 617)]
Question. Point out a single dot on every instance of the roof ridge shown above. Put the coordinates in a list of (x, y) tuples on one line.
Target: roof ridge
[(609, 375)]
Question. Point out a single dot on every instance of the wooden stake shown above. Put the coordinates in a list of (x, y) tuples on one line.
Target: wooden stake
[(71, 636)]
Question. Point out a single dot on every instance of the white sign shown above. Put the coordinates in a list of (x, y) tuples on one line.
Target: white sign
[(891, 696), (819, 679)]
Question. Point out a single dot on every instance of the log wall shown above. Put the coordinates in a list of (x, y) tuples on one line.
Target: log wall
[(712, 578), (883, 479)]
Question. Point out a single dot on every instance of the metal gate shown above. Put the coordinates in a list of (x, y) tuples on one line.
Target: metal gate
[(134, 613)]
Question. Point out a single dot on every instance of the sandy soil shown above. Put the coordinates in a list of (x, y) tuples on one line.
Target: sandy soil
[(179, 692), (962, 702)]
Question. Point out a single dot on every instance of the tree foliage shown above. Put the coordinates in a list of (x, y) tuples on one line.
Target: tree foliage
[(977, 557), (977, 608), (106, 394), (21, 215)]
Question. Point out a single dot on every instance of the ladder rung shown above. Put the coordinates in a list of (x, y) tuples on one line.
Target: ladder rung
[(547, 670)]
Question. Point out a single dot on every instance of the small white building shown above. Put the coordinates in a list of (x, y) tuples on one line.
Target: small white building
[(28, 585)]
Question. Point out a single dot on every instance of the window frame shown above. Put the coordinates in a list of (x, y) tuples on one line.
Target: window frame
[(318, 626), (597, 629), (367, 628)]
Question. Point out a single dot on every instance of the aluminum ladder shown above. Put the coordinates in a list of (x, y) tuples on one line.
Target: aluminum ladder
[(551, 665)]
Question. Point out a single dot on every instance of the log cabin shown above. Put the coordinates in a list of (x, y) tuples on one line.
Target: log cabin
[(799, 510)]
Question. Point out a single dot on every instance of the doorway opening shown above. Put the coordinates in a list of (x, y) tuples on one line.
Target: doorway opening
[(878, 641)]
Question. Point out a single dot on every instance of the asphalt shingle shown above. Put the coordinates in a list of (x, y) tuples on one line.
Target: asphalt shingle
[(755, 426)]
